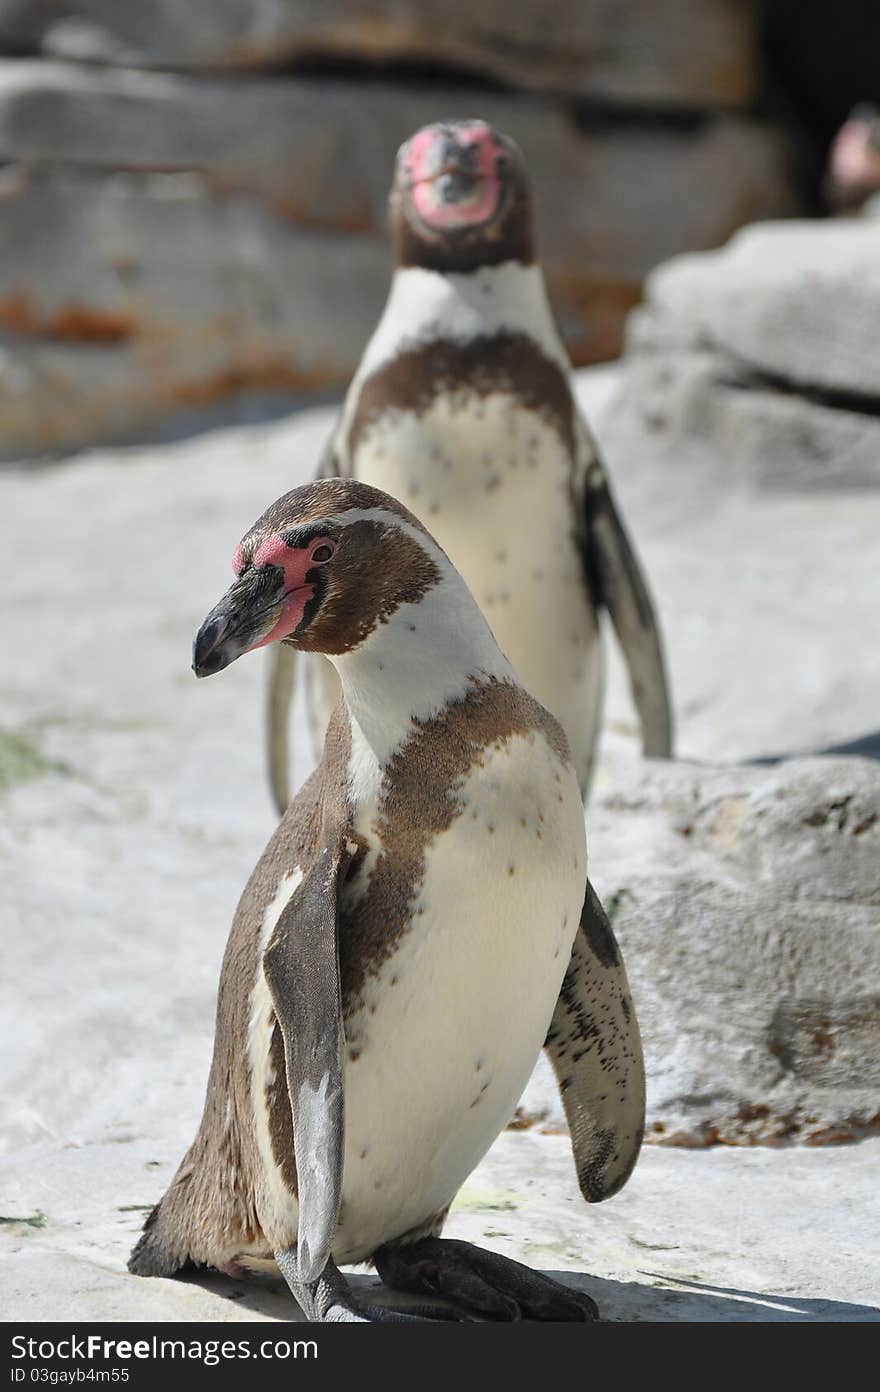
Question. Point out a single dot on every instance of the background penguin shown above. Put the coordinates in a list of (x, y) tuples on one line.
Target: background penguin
[(462, 407), (419, 924), (852, 179)]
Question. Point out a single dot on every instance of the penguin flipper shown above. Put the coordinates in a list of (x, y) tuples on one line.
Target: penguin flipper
[(595, 1048), (301, 966), (613, 567)]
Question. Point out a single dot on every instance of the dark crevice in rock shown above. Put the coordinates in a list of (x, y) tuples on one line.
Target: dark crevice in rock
[(19, 46), (744, 376), (594, 118), (426, 73)]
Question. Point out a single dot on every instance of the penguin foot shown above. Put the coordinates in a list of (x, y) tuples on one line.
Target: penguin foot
[(487, 1285), (329, 1300)]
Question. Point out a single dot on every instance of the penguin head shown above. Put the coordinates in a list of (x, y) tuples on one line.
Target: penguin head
[(854, 158), (321, 568), (461, 199)]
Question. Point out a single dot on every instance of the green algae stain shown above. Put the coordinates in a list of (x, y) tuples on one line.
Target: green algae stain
[(21, 760), (495, 1200), (33, 1220), (614, 903)]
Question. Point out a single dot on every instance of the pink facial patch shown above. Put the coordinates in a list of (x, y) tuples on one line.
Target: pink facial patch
[(295, 562), (854, 162), (426, 165), (289, 619)]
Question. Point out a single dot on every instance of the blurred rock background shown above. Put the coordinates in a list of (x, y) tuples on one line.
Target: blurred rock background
[(192, 235), (192, 192)]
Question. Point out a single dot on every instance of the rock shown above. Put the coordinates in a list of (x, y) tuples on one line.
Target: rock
[(757, 362), (736, 426), (652, 1253), (746, 902), (692, 53), (796, 301), (135, 805), (767, 594), (321, 153), (145, 295), (170, 241)]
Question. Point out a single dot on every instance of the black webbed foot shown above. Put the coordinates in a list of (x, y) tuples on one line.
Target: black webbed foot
[(485, 1284), (330, 1299)]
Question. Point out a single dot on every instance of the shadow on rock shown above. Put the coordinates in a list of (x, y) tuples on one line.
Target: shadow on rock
[(699, 1302), (685, 1301), (866, 746)]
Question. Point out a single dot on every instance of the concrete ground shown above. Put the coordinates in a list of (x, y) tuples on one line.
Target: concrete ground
[(133, 805)]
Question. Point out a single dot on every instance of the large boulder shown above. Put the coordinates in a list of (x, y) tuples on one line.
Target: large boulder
[(611, 199), (746, 901), (798, 302), (129, 299), (761, 357), (169, 241), (685, 53)]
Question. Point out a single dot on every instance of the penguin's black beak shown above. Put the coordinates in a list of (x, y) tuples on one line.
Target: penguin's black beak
[(458, 171), (245, 615)]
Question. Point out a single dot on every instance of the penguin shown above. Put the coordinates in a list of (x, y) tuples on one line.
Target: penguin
[(419, 925), (462, 406), (852, 179)]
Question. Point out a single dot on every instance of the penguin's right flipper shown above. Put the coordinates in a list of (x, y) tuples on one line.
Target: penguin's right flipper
[(301, 966), (596, 1052), (279, 694), (612, 565)]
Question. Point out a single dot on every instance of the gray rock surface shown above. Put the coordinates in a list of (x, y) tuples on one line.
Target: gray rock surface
[(321, 152), (738, 429), (692, 53), (133, 805), (758, 363), (146, 295), (172, 241), (798, 301), (724, 1235), (747, 904)]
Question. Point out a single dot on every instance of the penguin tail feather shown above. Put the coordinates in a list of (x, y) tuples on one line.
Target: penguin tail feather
[(153, 1254)]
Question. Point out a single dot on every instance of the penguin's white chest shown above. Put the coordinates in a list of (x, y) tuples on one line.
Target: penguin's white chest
[(449, 1030), (492, 479)]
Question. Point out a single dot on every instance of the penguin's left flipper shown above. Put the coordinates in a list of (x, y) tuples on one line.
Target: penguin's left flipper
[(595, 1048), (613, 569), (301, 966)]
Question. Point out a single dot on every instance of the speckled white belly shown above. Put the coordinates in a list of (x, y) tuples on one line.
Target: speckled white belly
[(492, 481), (448, 1034)]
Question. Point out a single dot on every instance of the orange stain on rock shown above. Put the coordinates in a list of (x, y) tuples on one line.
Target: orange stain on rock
[(74, 322)]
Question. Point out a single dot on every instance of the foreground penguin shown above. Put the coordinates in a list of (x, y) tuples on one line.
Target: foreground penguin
[(419, 924), (462, 407)]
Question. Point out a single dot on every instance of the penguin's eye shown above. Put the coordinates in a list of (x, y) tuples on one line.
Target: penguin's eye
[(322, 554)]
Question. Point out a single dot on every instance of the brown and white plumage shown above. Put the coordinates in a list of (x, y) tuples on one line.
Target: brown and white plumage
[(415, 926), (462, 406)]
